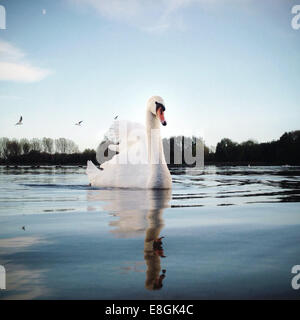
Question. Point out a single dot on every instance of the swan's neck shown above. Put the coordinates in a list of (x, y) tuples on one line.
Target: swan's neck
[(155, 147), (159, 177)]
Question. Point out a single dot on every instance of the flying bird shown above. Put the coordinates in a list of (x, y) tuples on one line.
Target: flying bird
[(116, 117), (78, 123), (44, 11), (20, 121)]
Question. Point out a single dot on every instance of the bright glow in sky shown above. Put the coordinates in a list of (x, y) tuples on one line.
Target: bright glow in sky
[(225, 68)]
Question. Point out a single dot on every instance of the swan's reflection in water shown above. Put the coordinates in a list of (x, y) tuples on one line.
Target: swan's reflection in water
[(139, 212)]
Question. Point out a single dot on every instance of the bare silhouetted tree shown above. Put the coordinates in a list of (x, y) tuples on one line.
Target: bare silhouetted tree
[(3, 148), (63, 145), (48, 145), (36, 145), (25, 145)]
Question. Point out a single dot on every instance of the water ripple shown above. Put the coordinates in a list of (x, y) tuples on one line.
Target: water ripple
[(27, 191)]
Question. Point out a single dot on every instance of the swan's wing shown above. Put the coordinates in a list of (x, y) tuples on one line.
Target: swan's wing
[(92, 171), (121, 131), (129, 140), (129, 167)]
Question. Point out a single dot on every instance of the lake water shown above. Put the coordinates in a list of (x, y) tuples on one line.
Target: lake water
[(229, 232)]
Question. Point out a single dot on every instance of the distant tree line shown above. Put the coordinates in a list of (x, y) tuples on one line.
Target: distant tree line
[(45, 151), (62, 151), (286, 150)]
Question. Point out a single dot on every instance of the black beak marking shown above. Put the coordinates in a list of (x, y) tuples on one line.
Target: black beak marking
[(160, 105)]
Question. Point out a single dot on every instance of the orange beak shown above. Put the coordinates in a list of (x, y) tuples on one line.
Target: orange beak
[(161, 116)]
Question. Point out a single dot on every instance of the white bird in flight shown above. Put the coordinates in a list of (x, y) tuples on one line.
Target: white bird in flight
[(20, 121), (78, 123)]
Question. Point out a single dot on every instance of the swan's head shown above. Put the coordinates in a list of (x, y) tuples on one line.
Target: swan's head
[(156, 106)]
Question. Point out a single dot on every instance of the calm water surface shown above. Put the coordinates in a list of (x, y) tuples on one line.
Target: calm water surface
[(229, 232)]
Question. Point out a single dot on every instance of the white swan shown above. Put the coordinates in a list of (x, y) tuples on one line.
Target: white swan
[(140, 162)]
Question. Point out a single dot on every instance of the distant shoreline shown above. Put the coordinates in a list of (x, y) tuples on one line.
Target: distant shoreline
[(41, 152), (207, 163)]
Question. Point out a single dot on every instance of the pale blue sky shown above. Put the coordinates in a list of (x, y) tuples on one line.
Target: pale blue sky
[(225, 68)]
